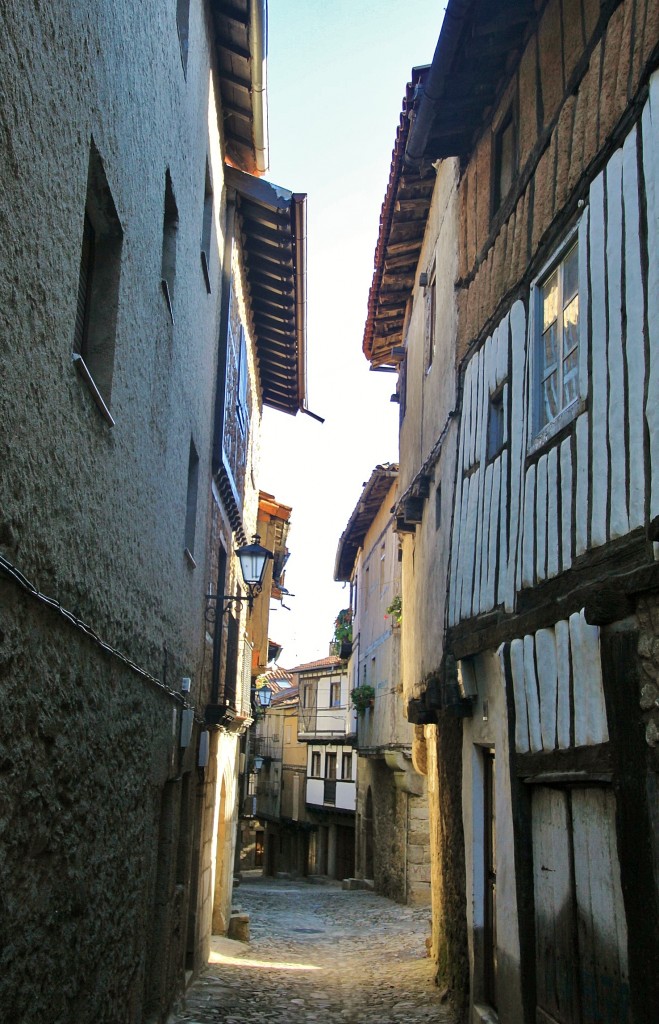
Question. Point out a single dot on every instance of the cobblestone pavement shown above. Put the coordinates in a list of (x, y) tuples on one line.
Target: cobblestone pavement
[(318, 953)]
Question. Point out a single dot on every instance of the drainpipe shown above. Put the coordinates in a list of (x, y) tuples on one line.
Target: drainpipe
[(258, 46)]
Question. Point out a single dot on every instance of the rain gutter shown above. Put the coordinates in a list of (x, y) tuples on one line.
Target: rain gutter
[(258, 45)]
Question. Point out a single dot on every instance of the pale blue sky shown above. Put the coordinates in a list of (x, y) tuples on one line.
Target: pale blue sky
[(337, 72)]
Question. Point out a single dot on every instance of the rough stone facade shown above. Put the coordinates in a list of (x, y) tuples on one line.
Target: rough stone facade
[(109, 830)]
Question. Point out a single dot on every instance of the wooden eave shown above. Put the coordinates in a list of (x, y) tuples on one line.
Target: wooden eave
[(478, 46), (367, 508), (402, 227), (274, 252)]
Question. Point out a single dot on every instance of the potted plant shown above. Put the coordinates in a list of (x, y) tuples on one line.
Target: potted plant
[(342, 639), (362, 697), (395, 609)]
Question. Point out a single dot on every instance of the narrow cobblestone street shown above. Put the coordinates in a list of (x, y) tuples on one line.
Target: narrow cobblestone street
[(318, 952)]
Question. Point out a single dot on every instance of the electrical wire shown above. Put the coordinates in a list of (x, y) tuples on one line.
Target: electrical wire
[(14, 574)]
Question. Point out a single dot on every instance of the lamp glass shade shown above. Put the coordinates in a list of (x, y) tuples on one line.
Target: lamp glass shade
[(258, 763), (253, 560), (264, 696)]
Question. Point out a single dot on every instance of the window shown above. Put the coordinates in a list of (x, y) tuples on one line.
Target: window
[(558, 339), (335, 695), (505, 159), (242, 406), (346, 767), (330, 766), (169, 231), (307, 695), (191, 504), (98, 286), (206, 229), (431, 316), (315, 764), (183, 28), (495, 425)]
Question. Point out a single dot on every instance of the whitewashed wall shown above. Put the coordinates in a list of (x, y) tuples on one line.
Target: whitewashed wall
[(516, 526)]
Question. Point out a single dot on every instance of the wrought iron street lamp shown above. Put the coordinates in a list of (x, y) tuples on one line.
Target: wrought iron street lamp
[(253, 561), (264, 696)]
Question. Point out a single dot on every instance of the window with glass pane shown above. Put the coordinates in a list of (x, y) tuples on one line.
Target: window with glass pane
[(559, 349)]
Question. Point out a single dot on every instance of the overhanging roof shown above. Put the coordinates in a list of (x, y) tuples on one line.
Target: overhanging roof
[(240, 30), (272, 225), (479, 44), (368, 506), (402, 227)]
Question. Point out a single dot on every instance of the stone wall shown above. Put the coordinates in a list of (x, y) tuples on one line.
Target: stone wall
[(100, 808), (573, 88)]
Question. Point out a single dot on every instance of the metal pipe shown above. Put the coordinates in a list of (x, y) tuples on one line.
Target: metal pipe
[(258, 46)]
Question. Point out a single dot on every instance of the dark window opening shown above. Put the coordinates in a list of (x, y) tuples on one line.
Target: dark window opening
[(505, 159), (315, 764), (438, 506), (98, 286), (206, 229), (169, 232), (346, 767), (330, 766), (495, 425), (191, 503), (183, 28)]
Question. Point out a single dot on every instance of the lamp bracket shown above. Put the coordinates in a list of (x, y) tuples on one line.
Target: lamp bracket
[(228, 600)]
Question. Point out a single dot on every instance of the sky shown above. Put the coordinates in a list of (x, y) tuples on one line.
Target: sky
[(337, 71)]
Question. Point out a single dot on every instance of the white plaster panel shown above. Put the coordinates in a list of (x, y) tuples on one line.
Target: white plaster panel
[(545, 653), (599, 376), (504, 511), (650, 133), (581, 512), (529, 528), (634, 301), (468, 561), (552, 513), (502, 349), (489, 528), (531, 689), (566, 504), (563, 707), (619, 519), (518, 333), (522, 744), (590, 725), (541, 518)]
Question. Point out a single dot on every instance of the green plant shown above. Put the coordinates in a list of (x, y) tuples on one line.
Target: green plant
[(362, 698), (395, 609), (342, 627)]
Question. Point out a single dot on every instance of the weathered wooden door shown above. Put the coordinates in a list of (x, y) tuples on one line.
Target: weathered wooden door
[(581, 931)]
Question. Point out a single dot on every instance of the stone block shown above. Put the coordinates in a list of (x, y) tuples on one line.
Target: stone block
[(483, 160), (551, 60), (615, 62), (564, 134), (543, 196), (591, 13), (573, 36), (528, 100), (590, 109), (418, 855), (239, 927)]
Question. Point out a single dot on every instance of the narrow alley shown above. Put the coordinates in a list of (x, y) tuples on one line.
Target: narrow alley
[(318, 952)]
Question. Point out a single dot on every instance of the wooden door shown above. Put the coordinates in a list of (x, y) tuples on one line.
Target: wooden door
[(581, 932)]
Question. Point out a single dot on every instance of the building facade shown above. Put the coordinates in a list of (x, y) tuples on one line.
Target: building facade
[(392, 840), (538, 478), (123, 275), (327, 725)]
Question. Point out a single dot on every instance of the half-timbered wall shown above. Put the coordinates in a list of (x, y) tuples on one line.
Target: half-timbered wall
[(531, 510)]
